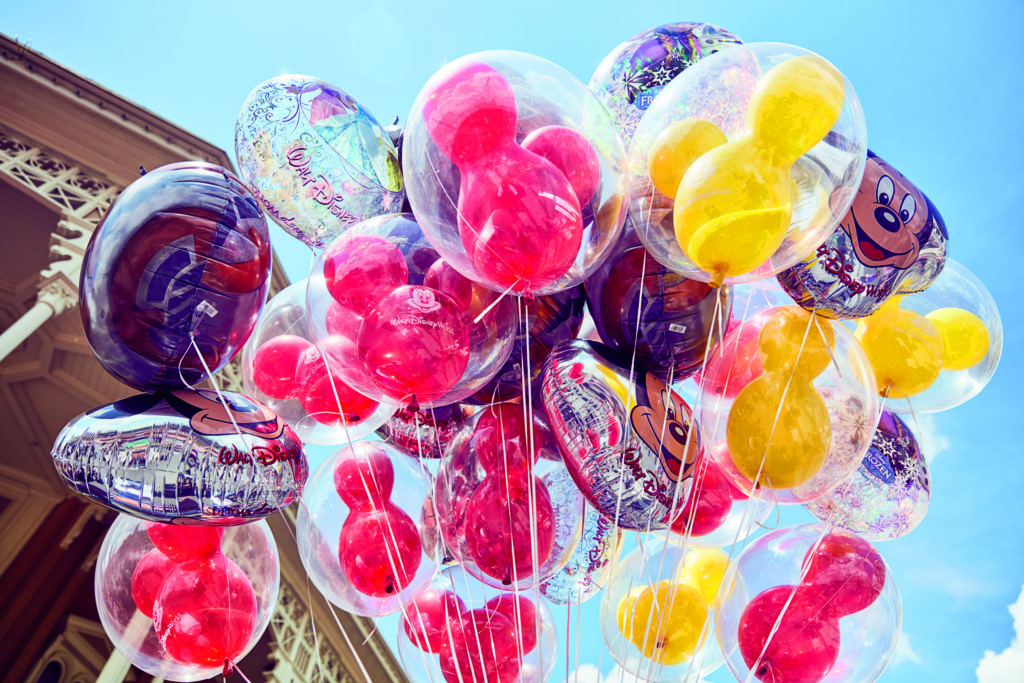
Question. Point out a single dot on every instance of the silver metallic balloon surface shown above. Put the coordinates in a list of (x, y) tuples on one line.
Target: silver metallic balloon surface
[(588, 569), (888, 494), (633, 462), (180, 457)]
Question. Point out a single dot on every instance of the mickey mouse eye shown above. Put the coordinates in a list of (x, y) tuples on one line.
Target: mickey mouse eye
[(907, 209), (885, 190)]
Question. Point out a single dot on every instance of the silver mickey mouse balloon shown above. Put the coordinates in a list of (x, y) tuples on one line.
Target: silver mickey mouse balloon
[(180, 456)]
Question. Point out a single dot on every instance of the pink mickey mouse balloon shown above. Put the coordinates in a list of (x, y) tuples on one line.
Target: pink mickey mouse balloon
[(515, 171), (362, 530), (282, 366), (186, 603), (397, 324), (460, 630)]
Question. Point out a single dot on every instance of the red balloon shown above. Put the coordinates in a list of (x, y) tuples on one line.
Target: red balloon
[(708, 504), (379, 550), (427, 620), (471, 114), (519, 218), (184, 543), (326, 397), (485, 649), (444, 278), (364, 476), (275, 365), (341, 322), (205, 613), (501, 440), (147, 579), (845, 574), (499, 526), (735, 361), (362, 269), (415, 344), (804, 647), (572, 154), (522, 613)]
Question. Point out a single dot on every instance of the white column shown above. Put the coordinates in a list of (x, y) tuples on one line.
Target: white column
[(58, 284), (115, 669)]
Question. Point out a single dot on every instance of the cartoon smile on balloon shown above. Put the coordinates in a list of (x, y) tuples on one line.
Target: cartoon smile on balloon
[(889, 219), (661, 422)]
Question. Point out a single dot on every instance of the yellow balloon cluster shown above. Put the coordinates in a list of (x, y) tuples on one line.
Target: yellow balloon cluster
[(733, 199), (666, 621), (908, 350), (779, 429)]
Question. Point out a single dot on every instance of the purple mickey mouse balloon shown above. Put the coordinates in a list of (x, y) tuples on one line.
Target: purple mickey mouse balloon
[(891, 241), (641, 307), (888, 494), (626, 439), (182, 256), (181, 456)]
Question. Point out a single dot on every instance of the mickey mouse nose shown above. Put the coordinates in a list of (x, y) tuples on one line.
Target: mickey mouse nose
[(887, 218)]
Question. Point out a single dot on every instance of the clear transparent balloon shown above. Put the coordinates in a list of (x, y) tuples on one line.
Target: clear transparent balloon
[(320, 529), (398, 324), (545, 97), (888, 494), (651, 563), (535, 666), (846, 385), (548, 501), (284, 318), (718, 89), (588, 570), (955, 287), (867, 637), (250, 546), (315, 158)]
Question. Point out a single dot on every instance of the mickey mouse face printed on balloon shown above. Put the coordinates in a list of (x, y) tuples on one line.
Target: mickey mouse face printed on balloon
[(891, 241)]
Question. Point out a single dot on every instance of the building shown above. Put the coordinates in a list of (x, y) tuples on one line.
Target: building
[(67, 148)]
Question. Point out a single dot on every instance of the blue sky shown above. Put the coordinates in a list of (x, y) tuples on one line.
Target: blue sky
[(940, 87)]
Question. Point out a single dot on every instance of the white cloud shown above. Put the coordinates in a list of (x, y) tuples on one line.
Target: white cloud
[(905, 652), (1008, 665), (932, 442)]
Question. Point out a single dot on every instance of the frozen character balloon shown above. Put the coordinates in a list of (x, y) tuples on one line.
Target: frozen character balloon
[(891, 241), (315, 158), (184, 456), (632, 74), (888, 494)]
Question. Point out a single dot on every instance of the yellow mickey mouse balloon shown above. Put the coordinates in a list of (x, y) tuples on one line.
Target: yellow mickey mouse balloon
[(734, 199), (704, 569), (665, 621), (779, 430), (908, 350)]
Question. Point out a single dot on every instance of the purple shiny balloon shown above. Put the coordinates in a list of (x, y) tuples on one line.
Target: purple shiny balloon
[(634, 465), (891, 241), (180, 456), (630, 77), (888, 495), (550, 321), (183, 252), (640, 306), (426, 432)]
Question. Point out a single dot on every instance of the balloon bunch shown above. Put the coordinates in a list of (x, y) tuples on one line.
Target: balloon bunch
[(763, 294)]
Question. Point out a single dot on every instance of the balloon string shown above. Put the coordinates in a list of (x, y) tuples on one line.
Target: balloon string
[(532, 457), (497, 301), (214, 384)]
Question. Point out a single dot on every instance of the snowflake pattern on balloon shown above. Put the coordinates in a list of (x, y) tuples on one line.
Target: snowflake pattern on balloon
[(629, 78), (888, 494)]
